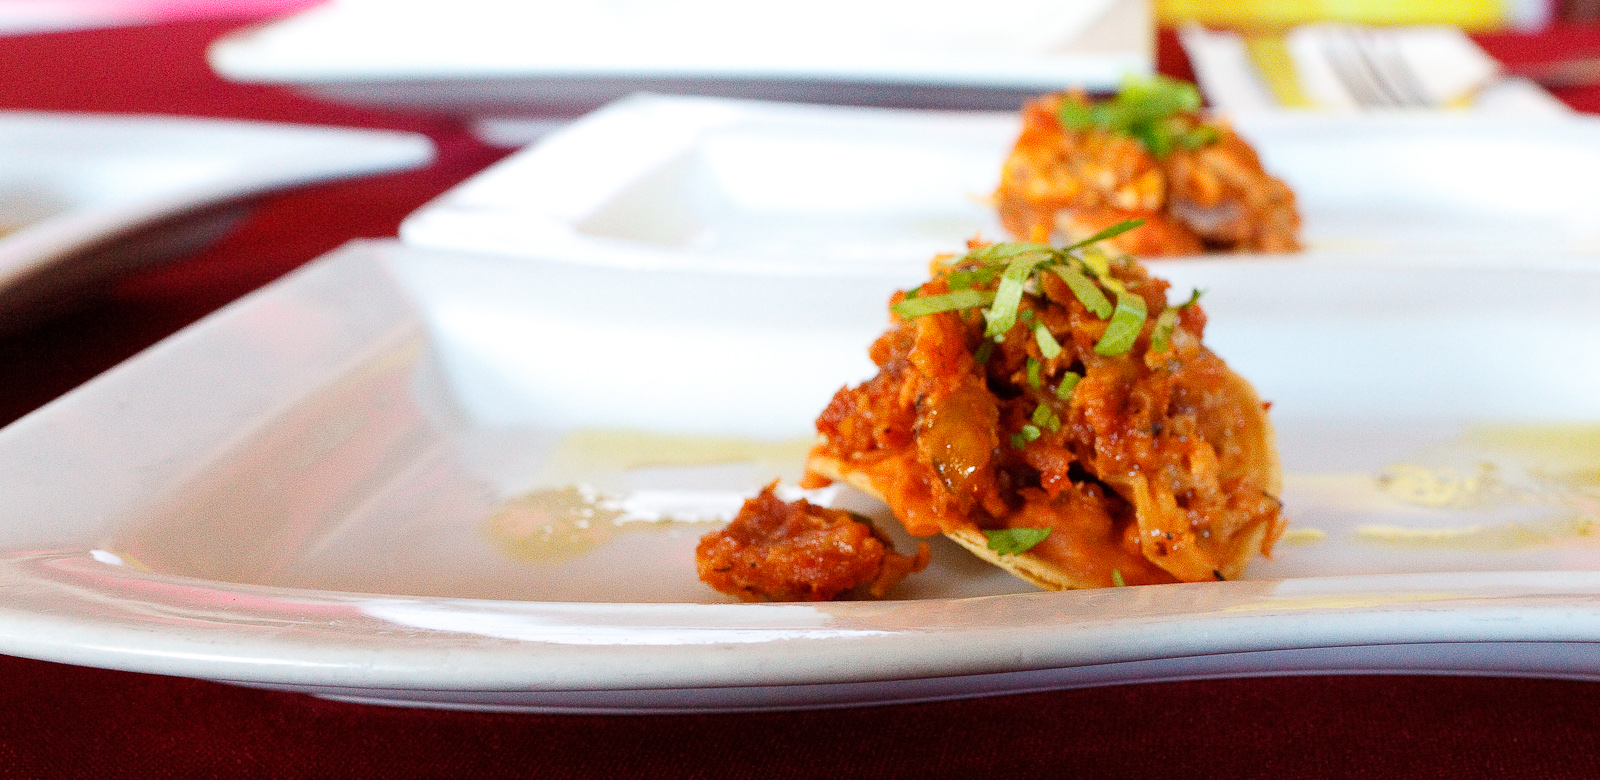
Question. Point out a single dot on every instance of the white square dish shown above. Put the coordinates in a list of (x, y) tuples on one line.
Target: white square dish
[(351, 483), (655, 182)]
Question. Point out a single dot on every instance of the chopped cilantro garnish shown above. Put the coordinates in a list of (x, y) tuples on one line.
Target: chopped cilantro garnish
[(1126, 322), (1110, 232), (1048, 346), (1198, 137), (961, 280), (1046, 418), (1015, 541), (1084, 269), (1086, 291), (1155, 111), (1069, 381), (1161, 336), (1116, 579), (1097, 262), (1167, 322), (1004, 252), (950, 301), (1002, 314), (1029, 432)]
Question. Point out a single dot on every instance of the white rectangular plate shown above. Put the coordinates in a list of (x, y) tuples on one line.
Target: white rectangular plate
[(84, 197), (524, 58), (326, 487), (706, 183)]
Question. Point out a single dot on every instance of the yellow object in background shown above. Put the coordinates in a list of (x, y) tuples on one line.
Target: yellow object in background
[(1275, 64), (1470, 15)]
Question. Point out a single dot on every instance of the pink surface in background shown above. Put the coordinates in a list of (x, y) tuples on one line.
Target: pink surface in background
[(26, 16)]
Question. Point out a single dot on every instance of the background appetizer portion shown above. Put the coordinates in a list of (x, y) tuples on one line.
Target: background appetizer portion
[(1147, 152), (742, 186)]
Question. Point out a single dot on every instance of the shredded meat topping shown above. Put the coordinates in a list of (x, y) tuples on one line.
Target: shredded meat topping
[(1158, 466)]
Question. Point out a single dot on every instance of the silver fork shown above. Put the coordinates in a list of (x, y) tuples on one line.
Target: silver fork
[(1372, 70)]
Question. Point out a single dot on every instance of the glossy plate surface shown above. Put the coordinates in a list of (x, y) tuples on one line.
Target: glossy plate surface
[(84, 197), (416, 477), (718, 184)]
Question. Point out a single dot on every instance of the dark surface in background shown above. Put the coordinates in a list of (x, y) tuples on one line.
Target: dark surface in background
[(60, 721)]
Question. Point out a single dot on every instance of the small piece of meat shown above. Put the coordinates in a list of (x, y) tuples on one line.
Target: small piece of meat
[(779, 550)]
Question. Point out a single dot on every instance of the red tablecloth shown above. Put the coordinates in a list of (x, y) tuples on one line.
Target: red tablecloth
[(61, 721)]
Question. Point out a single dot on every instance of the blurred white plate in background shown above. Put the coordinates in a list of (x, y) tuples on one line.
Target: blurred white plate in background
[(84, 197), (489, 58)]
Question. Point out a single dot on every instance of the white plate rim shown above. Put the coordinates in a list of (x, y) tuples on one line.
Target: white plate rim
[(75, 608)]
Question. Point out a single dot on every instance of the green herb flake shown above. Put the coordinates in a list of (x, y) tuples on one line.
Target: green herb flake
[(1156, 111), (1116, 578), (1126, 322), (984, 351), (1194, 298), (973, 277), (1199, 137), (1097, 262), (1075, 114), (932, 304), (1161, 336), (1029, 433), (1002, 314), (1110, 232), (1086, 291), (1034, 379), (1046, 418), (1006, 251), (1069, 381), (1015, 541), (1048, 346)]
